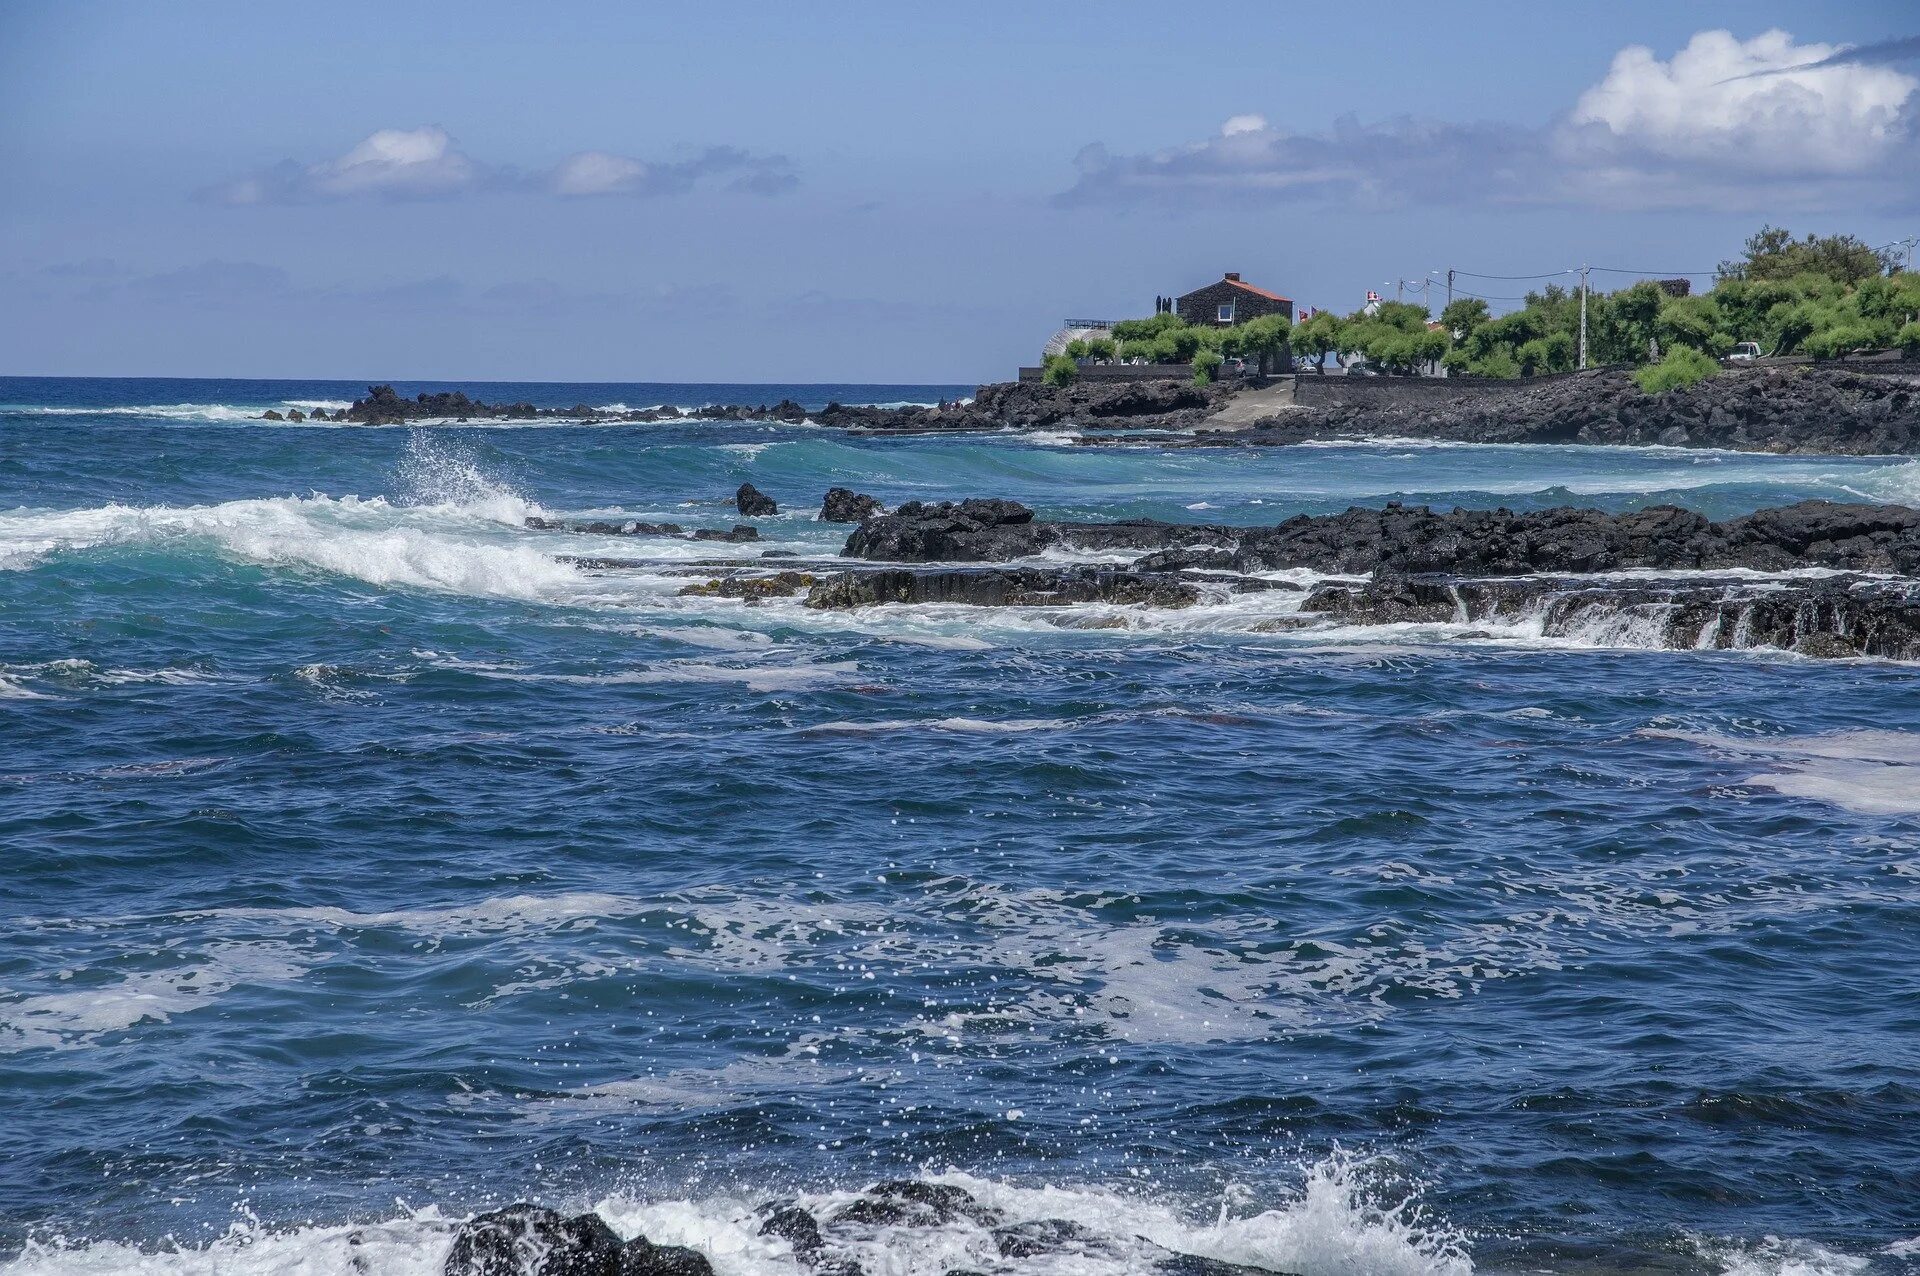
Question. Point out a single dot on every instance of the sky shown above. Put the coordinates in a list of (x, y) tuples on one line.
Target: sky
[(886, 192)]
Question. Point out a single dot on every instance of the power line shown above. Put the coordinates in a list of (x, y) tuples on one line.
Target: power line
[(1549, 275)]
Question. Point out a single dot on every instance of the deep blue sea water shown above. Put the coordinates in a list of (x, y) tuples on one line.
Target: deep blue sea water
[(363, 863)]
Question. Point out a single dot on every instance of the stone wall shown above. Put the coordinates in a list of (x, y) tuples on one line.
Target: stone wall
[(1201, 307), (1316, 390), (1121, 372)]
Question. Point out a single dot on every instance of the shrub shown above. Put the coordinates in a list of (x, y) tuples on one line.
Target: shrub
[(1683, 366), (1206, 363), (1908, 339), (1831, 343), (1060, 370)]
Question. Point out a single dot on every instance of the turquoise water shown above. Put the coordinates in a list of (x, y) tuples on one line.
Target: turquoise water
[(366, 864)]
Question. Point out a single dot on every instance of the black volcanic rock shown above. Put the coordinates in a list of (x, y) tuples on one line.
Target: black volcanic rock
[(527, 1240), (1821, 409), (1824, 619), (753, 503), (1002, 587), (797, 1228), (844, 505), (1412, 539)]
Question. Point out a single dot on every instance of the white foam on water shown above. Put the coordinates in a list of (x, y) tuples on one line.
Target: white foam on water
[(11, 688), (203, 412), (415, 1245), (1779, 1256), (311, 405), (454, 548), (1330, 1227), (970, 726), (1869, 771), (93, 1009)]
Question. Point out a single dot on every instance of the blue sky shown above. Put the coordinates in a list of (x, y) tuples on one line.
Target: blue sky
[(853, 191)]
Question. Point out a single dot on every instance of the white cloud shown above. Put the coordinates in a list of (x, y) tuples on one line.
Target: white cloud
[(417, 163), (601, 173), (1761, 124), (1755, 105), (597, 173), (426, 163)]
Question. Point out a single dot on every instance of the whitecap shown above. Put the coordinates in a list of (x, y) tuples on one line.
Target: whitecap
[(1870, 771)]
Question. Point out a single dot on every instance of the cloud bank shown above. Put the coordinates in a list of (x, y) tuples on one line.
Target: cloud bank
[(427, 163), (1722, 124)]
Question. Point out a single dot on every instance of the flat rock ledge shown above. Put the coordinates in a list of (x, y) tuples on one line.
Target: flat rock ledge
[(1416, 539)]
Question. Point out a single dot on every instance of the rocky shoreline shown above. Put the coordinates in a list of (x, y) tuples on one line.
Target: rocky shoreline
[(1157, 405), (1813, 409), (1817, 578)]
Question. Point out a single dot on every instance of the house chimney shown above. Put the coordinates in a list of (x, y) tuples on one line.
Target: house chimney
[(1233, 276)]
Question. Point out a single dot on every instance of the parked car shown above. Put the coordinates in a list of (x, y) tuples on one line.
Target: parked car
[(1361, 370), (1745, 352)]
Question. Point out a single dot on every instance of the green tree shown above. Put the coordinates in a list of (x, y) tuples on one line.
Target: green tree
[(1773, 253), (1147, 329), (1206, 366), (1059, 370), (1318, 337), (1463, 316), (1266, 339)]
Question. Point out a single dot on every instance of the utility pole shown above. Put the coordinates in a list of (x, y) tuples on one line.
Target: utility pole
[(1583, 316), (1449, 285)]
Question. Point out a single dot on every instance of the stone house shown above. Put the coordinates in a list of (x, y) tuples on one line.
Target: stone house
[(1231, 300)]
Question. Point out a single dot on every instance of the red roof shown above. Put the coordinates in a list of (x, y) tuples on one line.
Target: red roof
[(1242, 286), (1258, 292)]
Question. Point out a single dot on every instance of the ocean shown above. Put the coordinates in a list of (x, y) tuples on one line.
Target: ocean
[(369, 862)]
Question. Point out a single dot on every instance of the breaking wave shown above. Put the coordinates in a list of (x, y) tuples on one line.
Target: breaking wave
[(1332, 1226)]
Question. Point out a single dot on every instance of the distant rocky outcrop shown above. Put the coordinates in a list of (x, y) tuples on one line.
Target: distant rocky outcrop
[(753, 503), (844, 505)]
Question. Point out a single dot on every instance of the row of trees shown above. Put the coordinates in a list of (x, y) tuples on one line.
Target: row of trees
[(1167, 338), (1822, 295)]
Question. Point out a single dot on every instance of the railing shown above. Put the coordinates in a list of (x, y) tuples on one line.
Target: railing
[(1089, 323)]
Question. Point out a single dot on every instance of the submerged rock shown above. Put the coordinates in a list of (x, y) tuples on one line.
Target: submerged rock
[(1047, 1236), (751, 588), (635, 527), (753, 503), (630, 527), (844, 505)]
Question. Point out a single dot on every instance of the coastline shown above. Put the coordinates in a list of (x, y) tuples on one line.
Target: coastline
[(1802, 410)]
